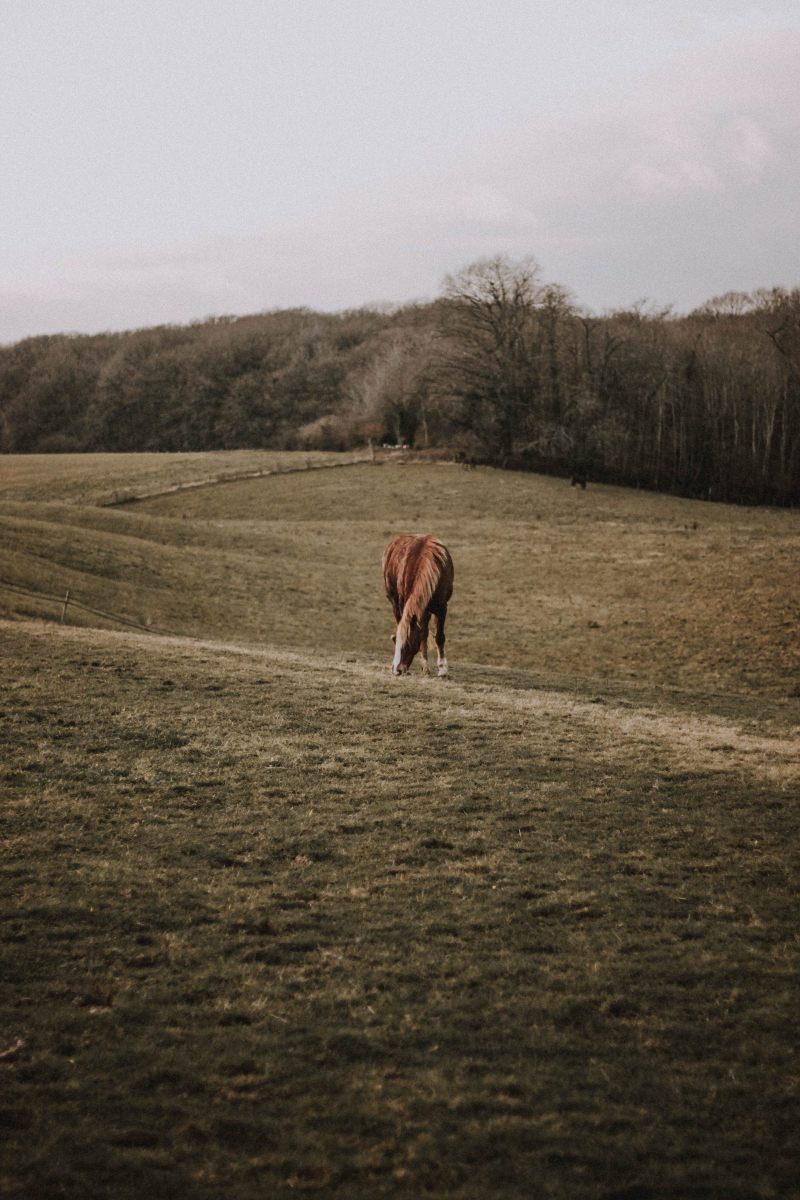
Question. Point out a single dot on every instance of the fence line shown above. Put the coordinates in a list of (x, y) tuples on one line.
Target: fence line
[(118, 500), (69, 600), (66, 600)]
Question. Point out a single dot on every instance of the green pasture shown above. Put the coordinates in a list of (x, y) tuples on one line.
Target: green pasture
[(276, 923)]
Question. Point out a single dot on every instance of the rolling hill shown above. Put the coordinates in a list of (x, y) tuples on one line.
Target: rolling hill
[(276, 922)]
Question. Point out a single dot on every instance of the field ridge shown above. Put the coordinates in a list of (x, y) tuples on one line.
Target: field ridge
[(354, 459), (751, 739)]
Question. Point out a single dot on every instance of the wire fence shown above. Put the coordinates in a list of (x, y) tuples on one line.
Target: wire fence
[(68, 600)]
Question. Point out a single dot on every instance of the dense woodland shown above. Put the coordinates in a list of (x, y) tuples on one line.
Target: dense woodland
[(503, 367)]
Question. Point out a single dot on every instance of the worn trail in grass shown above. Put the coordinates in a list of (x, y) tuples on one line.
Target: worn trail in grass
[(277, 922)]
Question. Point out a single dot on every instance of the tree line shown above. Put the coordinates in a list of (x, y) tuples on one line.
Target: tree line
[(503, 366)]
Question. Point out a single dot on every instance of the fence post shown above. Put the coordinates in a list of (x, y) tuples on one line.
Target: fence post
[(64, 609)]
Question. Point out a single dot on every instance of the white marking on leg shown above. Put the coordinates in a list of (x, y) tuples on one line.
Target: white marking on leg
[(398, 650), (442, 667)]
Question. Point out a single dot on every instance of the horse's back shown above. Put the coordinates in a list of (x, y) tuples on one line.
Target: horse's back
[(418, 561)]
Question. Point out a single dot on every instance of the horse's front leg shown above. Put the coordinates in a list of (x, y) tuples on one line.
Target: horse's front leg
[(442, 661)]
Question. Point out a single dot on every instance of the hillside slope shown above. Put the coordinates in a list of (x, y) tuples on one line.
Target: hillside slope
[(608, 585)]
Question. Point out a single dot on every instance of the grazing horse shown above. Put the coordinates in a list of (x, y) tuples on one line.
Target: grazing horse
[(418, 577)]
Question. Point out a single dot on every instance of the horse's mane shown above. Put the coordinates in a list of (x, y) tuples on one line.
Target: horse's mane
[(416, 563), (431, 560)]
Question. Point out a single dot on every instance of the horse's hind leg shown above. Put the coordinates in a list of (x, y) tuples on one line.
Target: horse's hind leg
[(442, 661), (423, 645)]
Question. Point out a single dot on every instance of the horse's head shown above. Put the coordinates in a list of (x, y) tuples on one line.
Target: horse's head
[(407, 641)]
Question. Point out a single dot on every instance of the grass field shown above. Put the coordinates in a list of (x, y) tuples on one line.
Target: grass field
[(277, 923)]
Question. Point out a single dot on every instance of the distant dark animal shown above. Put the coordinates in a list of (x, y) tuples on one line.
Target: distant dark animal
[(579, 477), (418, 578), (467, 460)]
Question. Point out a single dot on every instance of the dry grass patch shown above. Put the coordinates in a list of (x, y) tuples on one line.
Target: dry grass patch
[(607, 584), (256, 945), (276, 922)]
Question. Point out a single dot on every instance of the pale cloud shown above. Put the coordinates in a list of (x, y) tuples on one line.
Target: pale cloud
[(719, 119), (678, 189), (702, 154), (751, 147), (679, 174), (486, 207)]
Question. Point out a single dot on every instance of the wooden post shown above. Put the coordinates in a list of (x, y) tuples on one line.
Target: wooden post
[(64, 609)]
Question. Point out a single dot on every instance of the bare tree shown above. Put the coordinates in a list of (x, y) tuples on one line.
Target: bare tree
[(488, 324), (390, 392)]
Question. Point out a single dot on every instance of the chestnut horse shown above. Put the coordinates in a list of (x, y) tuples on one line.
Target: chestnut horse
[(418, 577)]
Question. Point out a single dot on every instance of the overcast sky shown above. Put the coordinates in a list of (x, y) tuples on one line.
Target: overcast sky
[(166, 160)]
